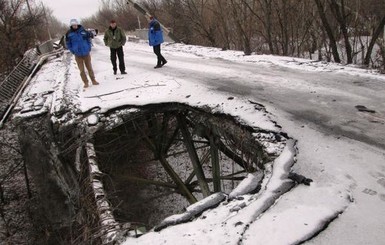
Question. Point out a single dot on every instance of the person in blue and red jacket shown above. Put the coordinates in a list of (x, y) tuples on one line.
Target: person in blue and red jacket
[(78, 41), (155, 39)]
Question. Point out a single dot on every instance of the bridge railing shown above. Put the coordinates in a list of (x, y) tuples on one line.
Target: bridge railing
[(14, 84)]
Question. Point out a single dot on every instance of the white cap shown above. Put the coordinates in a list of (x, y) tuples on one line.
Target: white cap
[(74, 22)]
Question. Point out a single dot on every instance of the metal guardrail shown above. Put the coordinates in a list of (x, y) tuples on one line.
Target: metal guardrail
[(14, 84)]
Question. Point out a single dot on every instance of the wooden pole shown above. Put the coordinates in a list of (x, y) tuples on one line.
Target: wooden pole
[(163, 142), (209, 180), (215, 163), (147, 140), (223, 148), (174, 176), (190, 178), (233, 174), (193, 156), (169, 142), (230, 154)]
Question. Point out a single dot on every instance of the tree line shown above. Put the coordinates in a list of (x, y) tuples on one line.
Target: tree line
[(342, 31), (23, 24)]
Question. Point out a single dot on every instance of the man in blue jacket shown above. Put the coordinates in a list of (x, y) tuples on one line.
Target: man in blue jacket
[(155, 39), (78, 41)]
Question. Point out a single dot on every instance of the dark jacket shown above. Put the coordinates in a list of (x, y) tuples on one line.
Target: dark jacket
[(78, 41), (114, 38), (155, 33)]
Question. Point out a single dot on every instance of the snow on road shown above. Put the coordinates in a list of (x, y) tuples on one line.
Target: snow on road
[(340, 148)]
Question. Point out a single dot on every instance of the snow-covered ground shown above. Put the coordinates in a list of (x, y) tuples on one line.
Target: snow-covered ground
[(341, 148)]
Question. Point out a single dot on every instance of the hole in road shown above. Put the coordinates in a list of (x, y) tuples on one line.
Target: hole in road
[(160, 159)]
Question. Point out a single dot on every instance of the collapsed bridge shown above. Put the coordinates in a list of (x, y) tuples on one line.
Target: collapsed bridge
[(115, 173), (121, 172), (143, 164)]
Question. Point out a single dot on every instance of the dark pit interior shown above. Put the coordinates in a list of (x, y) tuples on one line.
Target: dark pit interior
[(154, 159)]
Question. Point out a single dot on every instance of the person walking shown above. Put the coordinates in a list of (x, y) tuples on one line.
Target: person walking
[(78, 42), (155, 39), (115, 38)]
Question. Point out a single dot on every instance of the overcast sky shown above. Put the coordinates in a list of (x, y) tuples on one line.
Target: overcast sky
[(72, 9)]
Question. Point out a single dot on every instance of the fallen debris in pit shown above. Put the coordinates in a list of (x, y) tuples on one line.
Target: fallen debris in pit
[(192, 211), (249, 185)]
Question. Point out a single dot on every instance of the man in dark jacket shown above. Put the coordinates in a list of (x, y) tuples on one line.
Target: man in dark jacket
[(115, 38), (155, 39), (78, 41)]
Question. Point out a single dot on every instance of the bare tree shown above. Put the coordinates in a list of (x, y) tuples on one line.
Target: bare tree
[(202, 19), (16, 31), (53, 25), (244, 23), (339, 11), (326, 25), (373, 22), (221, 10), (118, 10)]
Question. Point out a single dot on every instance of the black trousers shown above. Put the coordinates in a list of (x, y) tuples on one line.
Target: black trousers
[(161, 59), (117, 52)]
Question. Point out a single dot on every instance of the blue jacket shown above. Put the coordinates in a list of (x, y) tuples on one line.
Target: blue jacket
[(78, 41), (155, 33)]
